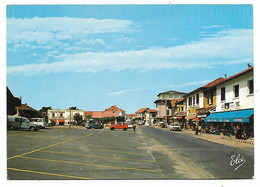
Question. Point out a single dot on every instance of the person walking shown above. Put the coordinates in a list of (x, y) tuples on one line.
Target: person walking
[(199, 129), (134, 126), (196, 129)]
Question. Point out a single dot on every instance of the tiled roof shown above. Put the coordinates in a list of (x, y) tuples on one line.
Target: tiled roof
[(239, 74), (214, 83), (151, 110), (171, 91), (114, 108), (142, 110), (100, 114), (174, 101)]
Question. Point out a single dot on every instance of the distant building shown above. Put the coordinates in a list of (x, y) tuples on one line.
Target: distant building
[(163, 104), (63, 116)]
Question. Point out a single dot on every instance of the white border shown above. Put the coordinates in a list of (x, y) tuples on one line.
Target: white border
[(4, 182)]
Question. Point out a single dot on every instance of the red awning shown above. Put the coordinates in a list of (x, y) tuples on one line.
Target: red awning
[(196, 119), (190, 117), (59, 120)]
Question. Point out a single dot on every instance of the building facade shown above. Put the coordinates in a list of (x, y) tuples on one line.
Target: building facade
[(63, 116), (164, 105), (234, 106)]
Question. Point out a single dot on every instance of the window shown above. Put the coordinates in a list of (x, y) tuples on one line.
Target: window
[(210, 98), (250, 85), (236, 90), (194, 100), (190, 101), (223, 94), (197, 99), (53, 115), (61, 114)]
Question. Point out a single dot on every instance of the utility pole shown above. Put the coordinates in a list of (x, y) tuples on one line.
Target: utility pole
[(70, 118), (165, 112)]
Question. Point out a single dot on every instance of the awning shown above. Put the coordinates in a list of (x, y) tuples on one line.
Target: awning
[(190, 117), (232, 116), (59, 120)]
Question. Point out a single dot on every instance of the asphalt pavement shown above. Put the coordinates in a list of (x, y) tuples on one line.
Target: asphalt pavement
[(147, 153)]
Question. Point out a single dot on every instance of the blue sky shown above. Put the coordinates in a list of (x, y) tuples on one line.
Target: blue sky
[(95, 56)]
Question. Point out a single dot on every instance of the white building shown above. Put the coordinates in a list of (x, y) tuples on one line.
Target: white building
[(235, 106), (237, 92), (63, 116)]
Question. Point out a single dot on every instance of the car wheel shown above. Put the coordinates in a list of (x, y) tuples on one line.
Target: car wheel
[(125, 129), (32, 129), (90, 127), (112, 128)]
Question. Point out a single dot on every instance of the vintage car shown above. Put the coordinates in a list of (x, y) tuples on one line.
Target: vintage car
[(39, 122), (174, 127), (123, 126), (20, 123), (91, 124)]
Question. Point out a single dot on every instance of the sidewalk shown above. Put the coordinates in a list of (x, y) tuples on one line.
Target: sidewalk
[(241, 144)]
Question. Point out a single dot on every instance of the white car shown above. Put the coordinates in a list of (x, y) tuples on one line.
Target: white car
[(39, 122), (174, 127)]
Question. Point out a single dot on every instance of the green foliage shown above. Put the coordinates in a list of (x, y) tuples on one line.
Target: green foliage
[(29, 113), (78, 118)]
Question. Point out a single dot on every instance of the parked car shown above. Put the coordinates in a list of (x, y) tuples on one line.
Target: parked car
[(123, 126), (39, 122), (130, 125), (174, 127), (20, 123), (91, 124)]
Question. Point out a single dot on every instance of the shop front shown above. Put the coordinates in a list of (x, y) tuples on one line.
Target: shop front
[(190, 124), (239, 123)]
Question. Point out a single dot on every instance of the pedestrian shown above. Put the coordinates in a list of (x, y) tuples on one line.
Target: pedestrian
[(199, 129), (196, 129), (134, 126)]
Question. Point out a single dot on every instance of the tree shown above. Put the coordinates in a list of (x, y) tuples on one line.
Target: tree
[(29, 113), (44, 112), (78, 118)]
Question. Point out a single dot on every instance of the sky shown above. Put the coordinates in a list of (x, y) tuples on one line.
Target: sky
[(96, 56)]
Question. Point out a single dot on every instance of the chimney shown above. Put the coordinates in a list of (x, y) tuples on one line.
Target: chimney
[(248, 65), (225, 76)]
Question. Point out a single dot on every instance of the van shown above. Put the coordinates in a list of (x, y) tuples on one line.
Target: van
[(39, 122), (20, 123)]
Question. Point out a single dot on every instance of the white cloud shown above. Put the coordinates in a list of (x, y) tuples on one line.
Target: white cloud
[(44, 29), (215, 26), (117, 93), (225, 47)]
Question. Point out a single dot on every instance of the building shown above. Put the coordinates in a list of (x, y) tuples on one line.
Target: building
[(163, 105), (234, 106), (111, 112), (199, 102), (63, 116), (12, 102), (140, 116), (145, 116)]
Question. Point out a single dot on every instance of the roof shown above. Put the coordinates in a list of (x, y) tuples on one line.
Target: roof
[(114, 108), (88, 113), (24, 107), (238, 74), (101, 114), (142, 110), (209, 85), (171, 91), (151, 110), (174, 101)]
